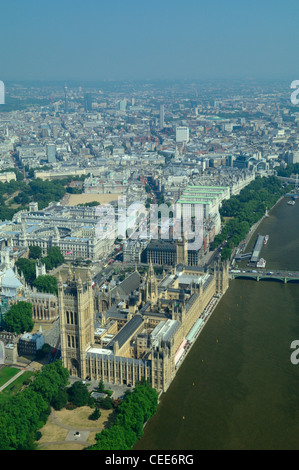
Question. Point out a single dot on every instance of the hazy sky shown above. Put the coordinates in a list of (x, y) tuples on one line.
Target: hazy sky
[(137, 39)]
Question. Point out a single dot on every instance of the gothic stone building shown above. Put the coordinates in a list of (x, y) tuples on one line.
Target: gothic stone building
[(138, 334)]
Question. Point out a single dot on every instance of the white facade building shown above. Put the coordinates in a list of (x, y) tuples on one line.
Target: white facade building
[(182, 134)]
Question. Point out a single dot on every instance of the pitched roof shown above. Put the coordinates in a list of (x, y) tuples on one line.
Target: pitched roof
[(131, 283)]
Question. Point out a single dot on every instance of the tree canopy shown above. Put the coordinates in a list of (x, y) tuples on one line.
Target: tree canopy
[(137, 407), (28, 268), (78, 394), (27, 411), (19, 318), (35, 252), (245, 210), (46, 283), (53, 259)]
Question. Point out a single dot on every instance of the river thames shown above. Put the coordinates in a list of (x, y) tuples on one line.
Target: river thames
[(237, 388)]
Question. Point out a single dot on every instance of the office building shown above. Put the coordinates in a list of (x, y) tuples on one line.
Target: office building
[(162, 116), (182, 134), (122, 105), (51, 153), (88, 102)]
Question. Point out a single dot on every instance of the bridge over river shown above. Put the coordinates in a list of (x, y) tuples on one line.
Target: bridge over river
[(283, 276)]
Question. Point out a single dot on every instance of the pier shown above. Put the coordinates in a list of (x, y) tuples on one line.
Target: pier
[(255, 253), (257, 249)]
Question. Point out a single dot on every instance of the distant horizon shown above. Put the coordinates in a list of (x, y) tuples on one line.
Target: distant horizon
[(70, 81), (122, 41)]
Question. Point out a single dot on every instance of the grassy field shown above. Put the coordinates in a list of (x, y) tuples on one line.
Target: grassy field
[(54, 432), (15, 386), (75, 199), (7, 373), (78, 418), (64, 446)]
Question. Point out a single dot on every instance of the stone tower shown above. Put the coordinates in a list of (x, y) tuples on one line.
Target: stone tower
[(40, 269), (182, 251), (221, 270), (151, 286), (76, 316)]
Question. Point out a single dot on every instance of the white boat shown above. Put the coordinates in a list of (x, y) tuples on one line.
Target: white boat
[(291, 203), (266, 238), (261, 263)]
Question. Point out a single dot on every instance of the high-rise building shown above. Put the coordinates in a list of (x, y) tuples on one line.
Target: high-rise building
[(182, 134), (66, 106), (55, 132), (162, 115), (51, 153), (122, 105), (88, 102), (45, 131)]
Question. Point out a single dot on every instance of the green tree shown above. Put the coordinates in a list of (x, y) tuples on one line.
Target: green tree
[(60, 400), (137, 407), (53, 259), (106, 403), (28, 268), (113, 438), (78, 394), (19, 318), (50, 379), (95, 415), (35, 252), (46, 283), (101, 386), (27, 411)]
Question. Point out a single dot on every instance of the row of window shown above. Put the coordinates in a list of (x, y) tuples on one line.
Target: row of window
[(72, 341), (71, 318)]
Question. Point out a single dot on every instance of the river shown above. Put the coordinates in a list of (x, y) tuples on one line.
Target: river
[(237, 388)]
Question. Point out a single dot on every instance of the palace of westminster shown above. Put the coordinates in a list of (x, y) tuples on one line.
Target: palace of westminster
[(139, 328)]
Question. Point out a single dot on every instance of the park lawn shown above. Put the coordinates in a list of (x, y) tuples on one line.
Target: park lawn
[(92, 437), (76, 199), (7, 373), (14, 387), (78, 418), (64, 446), (51, 432)]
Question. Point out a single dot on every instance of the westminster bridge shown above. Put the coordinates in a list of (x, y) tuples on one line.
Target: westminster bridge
[(283, 276)]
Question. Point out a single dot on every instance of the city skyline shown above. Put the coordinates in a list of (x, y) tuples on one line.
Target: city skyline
[(124, 41)]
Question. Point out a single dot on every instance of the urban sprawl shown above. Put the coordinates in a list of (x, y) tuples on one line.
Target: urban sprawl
[(127, 304)]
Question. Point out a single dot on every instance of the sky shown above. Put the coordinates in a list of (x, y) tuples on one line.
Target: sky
[(138, 40)]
